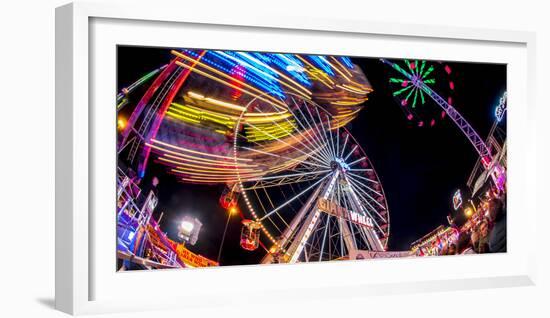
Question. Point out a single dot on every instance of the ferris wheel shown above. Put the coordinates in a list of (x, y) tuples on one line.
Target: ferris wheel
[(319, 197)]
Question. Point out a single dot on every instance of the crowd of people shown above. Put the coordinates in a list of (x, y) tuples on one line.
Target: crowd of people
[(487, 230), (483, 232)]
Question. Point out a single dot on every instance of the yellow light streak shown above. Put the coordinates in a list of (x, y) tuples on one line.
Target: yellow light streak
[(197, 152), (186, 119), (209, 181), (216, 102), (265, 114), (184, 164), (350, 102), (342, 66), (351, 90), (204, 115), (218, 172), (210, 162), (205, 176), (256, 117), (317, 70), (360, 86), (288, 126), (347, 114), (337, 70), (218, 165)]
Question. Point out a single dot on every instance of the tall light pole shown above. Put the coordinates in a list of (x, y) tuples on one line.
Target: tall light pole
[(230, 211)]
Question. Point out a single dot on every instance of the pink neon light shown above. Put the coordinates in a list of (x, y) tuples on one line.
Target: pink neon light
[(162, 112)]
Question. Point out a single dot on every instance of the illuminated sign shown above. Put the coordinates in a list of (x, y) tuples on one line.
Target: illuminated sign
[(457, 200), (334, 209), (501, 107), (192, 259)]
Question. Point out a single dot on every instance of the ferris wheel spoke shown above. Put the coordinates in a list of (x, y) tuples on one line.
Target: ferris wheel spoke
[(369, 214), (351, 151), (331, 144), (362, 184), (363, 170), (361, 194), (274, 181), (295, 138), (285, 158), (345, 143), (354, 176), (360, 189), (337, 141), (334, 151), (263, 208), (273, 206), (295, 197), (325, 149), (312, 155), (282, 219), (356, 161), (357, 191), (323, 143), (316, 139), (302, 203), (362, 230), (323, 133)]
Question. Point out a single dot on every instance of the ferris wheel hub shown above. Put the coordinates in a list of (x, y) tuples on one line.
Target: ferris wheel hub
[(339, 163)]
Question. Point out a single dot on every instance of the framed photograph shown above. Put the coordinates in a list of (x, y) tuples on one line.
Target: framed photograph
[(217, 157)]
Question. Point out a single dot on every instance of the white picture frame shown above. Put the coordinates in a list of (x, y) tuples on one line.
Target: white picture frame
[(83, 284)]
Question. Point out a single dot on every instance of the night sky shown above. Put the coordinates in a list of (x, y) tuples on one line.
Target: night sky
[(419, 167)]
